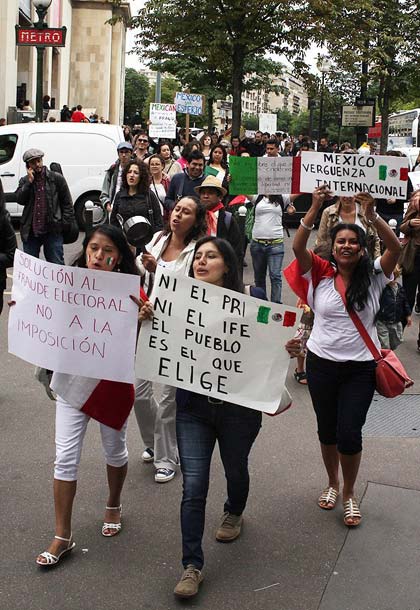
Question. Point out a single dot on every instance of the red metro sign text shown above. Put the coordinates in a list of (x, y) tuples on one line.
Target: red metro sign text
[(45, 37)]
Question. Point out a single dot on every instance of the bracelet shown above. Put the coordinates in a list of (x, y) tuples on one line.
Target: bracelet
[(302, 224), (371, 222)]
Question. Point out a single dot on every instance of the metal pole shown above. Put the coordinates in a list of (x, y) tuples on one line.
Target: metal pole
[(321, 108), (39, 82), (158, 88)]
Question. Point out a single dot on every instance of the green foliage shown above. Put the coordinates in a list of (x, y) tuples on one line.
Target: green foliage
[(222, 40), (378, 34), (136, 93), (250, 121), (284, 120)]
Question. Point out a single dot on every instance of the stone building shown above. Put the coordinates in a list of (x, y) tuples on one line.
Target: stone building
[(89, 70)]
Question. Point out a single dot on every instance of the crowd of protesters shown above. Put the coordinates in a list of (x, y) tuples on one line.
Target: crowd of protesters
[(182, 188)]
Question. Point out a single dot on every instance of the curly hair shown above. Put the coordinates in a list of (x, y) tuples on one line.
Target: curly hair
[(358, 289), (117, 236), (224, 161), (144, 175)]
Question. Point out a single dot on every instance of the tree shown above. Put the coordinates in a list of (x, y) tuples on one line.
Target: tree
[(228, 39), (375, 38), (136, 92)]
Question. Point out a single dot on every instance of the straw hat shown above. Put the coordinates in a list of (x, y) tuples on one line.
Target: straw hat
[(211, 182)]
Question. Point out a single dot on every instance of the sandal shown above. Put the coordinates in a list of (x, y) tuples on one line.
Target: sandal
[(52, 560), (300, 377), (351, 511), (328, 499), (114, 527)]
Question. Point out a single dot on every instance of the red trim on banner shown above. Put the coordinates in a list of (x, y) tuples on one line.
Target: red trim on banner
[(296, 175)]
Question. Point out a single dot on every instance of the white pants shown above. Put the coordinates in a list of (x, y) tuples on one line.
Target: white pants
[(157, 422), (70, 429)]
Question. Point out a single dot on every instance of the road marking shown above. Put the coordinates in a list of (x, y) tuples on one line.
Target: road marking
[(269, 587)]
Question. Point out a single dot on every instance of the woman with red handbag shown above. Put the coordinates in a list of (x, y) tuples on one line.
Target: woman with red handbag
[(340, 367)]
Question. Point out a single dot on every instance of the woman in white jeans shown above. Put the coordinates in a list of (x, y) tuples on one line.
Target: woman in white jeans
[(106, 249), (172, 249)]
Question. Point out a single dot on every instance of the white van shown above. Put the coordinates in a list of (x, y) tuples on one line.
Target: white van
[(84, 151)]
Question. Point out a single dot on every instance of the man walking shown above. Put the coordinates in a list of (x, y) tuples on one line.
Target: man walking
[(48, 208), (112, 180), (220, 222), (184, 184)]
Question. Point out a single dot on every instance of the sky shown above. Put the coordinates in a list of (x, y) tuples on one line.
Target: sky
[(132, 61)]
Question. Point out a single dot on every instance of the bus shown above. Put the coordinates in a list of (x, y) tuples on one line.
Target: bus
[(404, 129)]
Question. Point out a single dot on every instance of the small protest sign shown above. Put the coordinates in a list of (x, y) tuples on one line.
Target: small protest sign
[(162, 121), (73, 320), (189, 103), (348, 174), (265, 175), (216, 342), (267, 122), (415, 180)]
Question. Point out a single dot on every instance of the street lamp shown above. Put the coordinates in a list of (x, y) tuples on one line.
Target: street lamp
[(41, 7), (324, 65)]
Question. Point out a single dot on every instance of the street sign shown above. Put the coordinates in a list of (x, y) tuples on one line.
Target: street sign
[(224, 105), (358, 116), (41, 37)]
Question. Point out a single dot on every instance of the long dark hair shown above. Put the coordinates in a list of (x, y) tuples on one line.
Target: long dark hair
[(358, 289), (231, 278), (224, 161), (117, 236), (199, 227), (144, 176)]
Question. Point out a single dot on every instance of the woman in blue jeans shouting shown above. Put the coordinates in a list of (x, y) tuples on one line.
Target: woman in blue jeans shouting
[(267, 248), (202, 420)]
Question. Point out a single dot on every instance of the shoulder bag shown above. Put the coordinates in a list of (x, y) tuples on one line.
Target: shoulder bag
[(391, 377)]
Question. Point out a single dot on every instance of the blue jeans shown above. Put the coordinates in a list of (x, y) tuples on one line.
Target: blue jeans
[(52, 244), (271, 256), (199, 424)]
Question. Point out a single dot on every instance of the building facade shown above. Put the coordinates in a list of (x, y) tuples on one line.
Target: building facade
[(89, 70)]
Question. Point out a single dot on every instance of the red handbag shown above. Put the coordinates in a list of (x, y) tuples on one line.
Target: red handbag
[(391, 377)]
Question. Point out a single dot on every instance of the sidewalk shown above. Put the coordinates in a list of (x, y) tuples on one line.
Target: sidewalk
[(291, 556)]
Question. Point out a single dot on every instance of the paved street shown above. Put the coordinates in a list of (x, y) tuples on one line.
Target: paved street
[(291, 556)]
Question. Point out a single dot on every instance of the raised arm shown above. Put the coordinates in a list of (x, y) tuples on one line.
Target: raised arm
[(303, 256), (389, 258)]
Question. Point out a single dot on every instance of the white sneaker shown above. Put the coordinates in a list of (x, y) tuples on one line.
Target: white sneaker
[(163, 475), (148, 455)]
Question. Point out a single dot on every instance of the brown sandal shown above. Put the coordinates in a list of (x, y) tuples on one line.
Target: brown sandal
[(328, 496)]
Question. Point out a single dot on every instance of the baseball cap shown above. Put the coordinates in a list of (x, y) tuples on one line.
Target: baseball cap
[(125, 145)]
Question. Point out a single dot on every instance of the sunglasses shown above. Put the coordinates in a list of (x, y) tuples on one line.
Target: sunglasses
[(143, 141)]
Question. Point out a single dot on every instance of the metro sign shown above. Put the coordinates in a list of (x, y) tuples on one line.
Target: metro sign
[(41, 37)]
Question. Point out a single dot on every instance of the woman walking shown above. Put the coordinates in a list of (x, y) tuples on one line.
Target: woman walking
[(339, 367), (171, 249), (105, 249)]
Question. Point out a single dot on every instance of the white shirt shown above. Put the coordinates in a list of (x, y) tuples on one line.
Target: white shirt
[(168, 265), (334, 336), (269, 219)]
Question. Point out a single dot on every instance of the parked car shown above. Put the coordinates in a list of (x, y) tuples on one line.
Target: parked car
[(83, 150)]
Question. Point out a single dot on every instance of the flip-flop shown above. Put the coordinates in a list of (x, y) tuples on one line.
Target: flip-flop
[(329, 496)]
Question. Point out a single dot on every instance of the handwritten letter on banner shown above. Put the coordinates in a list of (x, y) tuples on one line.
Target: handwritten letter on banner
[(260, 175), (345, 174), (162, 121), (73, 320), (216, 342)]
